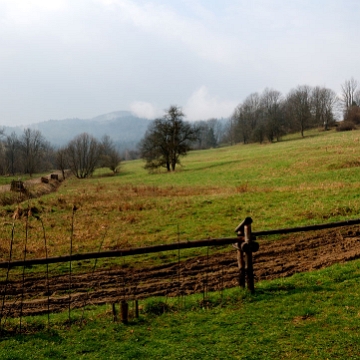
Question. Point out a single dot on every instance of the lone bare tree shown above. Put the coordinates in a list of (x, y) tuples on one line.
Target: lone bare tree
[(166, 140), (83, 153)]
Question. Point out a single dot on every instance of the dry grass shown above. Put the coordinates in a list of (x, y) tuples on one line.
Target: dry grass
[(279, 185)]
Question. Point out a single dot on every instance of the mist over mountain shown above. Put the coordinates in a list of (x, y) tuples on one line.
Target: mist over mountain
[(124, 128)]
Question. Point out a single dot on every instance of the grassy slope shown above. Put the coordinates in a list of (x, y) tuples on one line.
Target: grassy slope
[(298, 182), (304, 181)]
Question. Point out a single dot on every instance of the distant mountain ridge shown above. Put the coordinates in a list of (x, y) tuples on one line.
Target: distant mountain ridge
[(113, 115), (123, 127)]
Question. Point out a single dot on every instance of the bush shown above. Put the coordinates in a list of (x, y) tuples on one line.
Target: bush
[(346, 126), (353, 115)]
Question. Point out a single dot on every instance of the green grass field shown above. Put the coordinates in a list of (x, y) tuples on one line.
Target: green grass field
[(290, 183), (294, 182), (307, 316)]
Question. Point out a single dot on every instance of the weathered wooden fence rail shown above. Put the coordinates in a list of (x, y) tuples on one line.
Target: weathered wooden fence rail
[(243, 242), (307, 228), (169, 247)]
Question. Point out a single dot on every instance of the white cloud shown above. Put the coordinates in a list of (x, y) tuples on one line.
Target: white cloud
[(144, 109), (27, 12), (202, 106), (64, 58), (164, 22)]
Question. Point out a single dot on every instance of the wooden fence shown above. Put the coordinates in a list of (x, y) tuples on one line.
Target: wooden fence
[(170, 247), (244, 242)]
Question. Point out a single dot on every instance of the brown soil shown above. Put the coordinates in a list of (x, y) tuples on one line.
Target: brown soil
[(281, 258), (33, 184)]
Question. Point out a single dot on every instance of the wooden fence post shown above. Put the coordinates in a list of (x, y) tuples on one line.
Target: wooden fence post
[(124, 312), (241, 263), (136, 309), (249, 259), (246, 246)]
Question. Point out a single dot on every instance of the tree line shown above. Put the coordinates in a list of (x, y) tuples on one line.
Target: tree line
[(269, 115), (266, 116), (31, 153)]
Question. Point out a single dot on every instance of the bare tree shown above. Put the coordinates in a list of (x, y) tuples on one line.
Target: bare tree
[(247, 117), (348, 95), (357, 97), (298, 107), (323, 103), (61, 160), (12, 153), (83, 153), (110, 157), (207, 138), (167, 139), (32, 147), (3, 164), (272, 109)]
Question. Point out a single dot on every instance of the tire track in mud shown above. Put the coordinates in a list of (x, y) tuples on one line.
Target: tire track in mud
[(281, 258)]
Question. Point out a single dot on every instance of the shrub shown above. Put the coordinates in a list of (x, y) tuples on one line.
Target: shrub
[(346, 126)]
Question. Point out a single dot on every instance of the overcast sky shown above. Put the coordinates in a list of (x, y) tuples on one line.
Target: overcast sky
[(82, 58)]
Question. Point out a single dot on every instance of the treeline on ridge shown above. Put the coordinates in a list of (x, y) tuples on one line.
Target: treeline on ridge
[(269, 115), (261, 117), (31, 153)]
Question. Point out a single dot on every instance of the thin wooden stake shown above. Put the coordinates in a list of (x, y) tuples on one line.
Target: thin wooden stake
[(114, 312), (222, 284), (136, 309), (70, 261), (207, 272), (178, 269), (123, 283), (47, 273), (23, 273), (7, 274)]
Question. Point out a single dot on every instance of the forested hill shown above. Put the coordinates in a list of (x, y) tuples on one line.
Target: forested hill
[(124, 128)]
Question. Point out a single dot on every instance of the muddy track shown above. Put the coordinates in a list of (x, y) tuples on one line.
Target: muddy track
[(281, 258)]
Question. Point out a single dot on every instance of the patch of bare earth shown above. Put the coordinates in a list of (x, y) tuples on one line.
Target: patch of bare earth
[(297, 253), (35, 187)]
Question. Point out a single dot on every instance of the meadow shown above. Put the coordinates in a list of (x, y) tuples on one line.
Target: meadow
[(307, 316), (290, 183), (298, 181)]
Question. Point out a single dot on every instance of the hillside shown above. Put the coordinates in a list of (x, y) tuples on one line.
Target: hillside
[(123, 127), (302, 313)]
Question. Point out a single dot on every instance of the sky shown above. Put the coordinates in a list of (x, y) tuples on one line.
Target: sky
[(83, 58)]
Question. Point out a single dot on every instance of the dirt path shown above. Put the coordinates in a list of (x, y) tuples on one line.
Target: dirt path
[(32, 181), (298, 253)]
